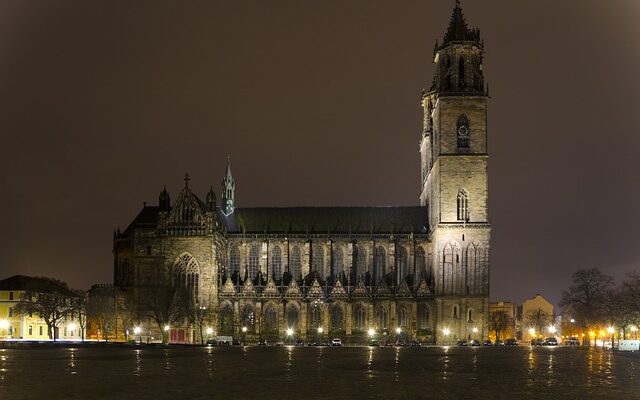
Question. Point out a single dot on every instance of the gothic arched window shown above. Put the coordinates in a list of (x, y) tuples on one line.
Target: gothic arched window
[(316, 316), (186, 274), (337, 318), (317, 261), (403, 317), (463, 132), (383, 318), (361, 261), (295, 263), (271, 319), (379, 263), (421, 264), (292, 316), (234, 259), (463, 206), (360, 319), (276, 262), (423, 316), (401, 260), (254, 260), (338, 261)]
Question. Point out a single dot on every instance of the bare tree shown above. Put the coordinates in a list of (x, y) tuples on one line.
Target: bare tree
[(587, 295), (202, 317), (102, 313), (164, 304), (78, 310), (538, 319), (499, 322), (49, 299)]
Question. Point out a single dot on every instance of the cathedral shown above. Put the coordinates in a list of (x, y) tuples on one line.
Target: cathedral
[(401, 273)]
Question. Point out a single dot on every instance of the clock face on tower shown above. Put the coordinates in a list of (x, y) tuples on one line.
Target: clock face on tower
[(463, 131)]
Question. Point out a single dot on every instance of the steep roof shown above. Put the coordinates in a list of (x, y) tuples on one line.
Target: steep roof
[(308, 220), (37, 284), (324, 220), (458, 29)]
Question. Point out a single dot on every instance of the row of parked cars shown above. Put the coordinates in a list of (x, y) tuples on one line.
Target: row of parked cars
[(477, 343)]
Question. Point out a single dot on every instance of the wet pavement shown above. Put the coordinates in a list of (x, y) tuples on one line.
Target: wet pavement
[(317, 373)]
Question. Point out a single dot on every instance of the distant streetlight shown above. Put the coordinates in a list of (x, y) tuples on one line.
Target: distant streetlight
[(289, 334), (320, 330), (611, 330), (475, 329), (4, 324), (552, 329), (137, 331), (372, 332), (209, 331), (532, 331), (166, 328), (446, 332), (398, 330), (244, 329), (573, 321), (72, 327)]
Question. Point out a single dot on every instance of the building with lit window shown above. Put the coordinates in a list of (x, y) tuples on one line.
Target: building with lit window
[(14, 325), (421, 270)]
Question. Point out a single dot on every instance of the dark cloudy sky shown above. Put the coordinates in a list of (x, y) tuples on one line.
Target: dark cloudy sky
[(317, 103)]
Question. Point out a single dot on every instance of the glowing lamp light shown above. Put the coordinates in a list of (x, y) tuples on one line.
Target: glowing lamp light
[(72, 327), (320, 330), (137, 330), (166, 328), (4, 324), (372, 332), (209, 331), (446, 331), (244, 329), (634, 328), (611, 330), (532, 331), (475, 329), (398, 330), (572, 320), (289, 332), (552, 329)]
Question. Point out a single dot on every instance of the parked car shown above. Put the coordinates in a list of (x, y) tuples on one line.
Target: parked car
[(487, 343), (572, 341), (551, 341), (336, 342), (537, 342), (374, 343), (474, 343), (462, 343), (299, 343), (401, 343), (416, 343), (262, 342), (498, 342), (511, 342)]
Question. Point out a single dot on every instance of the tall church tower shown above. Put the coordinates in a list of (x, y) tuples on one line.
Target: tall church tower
[(454, 188), (228, 191)]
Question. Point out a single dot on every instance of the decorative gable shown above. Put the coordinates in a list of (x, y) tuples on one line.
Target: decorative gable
[(423, 289), (228, 287), (187, 215), (360, 289), (338, 290), (248, 287), (403, 290), (315, 290), (293, 289), (271, 287)]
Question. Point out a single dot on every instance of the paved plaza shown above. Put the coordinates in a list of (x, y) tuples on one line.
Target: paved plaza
[(121, 372)]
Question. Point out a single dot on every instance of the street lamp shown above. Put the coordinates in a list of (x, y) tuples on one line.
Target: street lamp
[(552, 329), (209, 331), (320, 331), (4, 324), (138, 331), (634, 329), (166, 328), (446, 332), (289, 334)]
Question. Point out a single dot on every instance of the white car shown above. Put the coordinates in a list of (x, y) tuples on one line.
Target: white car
[(336, 342)]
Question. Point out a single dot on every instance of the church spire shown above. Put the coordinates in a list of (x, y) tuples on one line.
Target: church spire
[(458, 30), (228, 190)]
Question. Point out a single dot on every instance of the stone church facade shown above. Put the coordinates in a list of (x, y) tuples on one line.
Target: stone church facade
[(342, 271)]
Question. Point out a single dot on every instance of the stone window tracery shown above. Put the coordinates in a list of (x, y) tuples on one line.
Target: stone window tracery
[(186, 274), (276, 262), (295, 263), (380, 262), (254, 260)]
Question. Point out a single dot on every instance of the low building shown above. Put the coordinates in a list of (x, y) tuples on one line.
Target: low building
[(509, 309), (13, 325), (536, 318)]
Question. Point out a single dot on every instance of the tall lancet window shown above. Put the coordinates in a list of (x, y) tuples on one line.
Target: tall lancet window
[(463, 206), (463, 131)]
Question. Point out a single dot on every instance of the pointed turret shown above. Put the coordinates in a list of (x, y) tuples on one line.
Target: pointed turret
[(458, 30), (164, 201), (228, 191), (211, 200)]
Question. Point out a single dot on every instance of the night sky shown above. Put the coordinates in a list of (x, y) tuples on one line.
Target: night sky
[(316, 103)]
